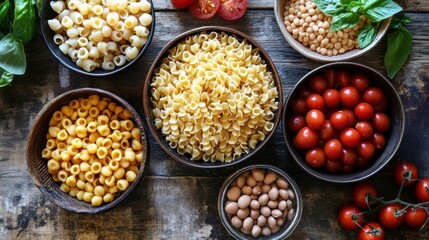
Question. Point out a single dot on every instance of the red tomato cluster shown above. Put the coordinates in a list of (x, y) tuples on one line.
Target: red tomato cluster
[(339, 120), (391, 214), (205, 9)]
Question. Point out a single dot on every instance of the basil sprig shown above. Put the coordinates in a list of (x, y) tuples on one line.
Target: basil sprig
[(345, 14)]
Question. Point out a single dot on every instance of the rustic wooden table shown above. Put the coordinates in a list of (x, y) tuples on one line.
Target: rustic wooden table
[(174, 201)]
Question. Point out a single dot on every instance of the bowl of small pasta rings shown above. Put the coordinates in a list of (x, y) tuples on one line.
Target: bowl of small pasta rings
[(97, 38), (87, 150), (212, 97)]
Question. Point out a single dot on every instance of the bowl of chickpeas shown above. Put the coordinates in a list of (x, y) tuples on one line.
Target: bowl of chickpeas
[(260, 202), (343, 122), (97, 38), (212, 97), (307, 30), (87, 149)]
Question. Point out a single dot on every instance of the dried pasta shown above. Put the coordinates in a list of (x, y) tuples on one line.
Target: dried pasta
[(213, 97)]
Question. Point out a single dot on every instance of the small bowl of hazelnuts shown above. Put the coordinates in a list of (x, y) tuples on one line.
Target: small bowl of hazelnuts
[(260, 202)]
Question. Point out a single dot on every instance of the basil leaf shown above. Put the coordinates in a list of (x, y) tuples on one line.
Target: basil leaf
[(1, 34), (398, 49), (367, 35), (12, 56), (382, 10), (4, 9), (23, 22), (38, 4), (5, 78), (329, 7), (355, 6), (344, 20)]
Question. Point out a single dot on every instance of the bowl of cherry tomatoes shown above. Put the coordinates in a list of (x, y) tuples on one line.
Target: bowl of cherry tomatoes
[(343, 122)]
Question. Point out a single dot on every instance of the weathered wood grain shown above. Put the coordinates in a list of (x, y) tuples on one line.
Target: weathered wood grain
[(175, 201)]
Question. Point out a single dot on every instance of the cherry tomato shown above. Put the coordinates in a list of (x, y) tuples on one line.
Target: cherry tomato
[(363, 162), (366, 149), (333, 149), (349, 96), (349, 137), (347, 218), (183, 3), (205, 9), (327, 131), (381, 122), (364, 111), (343, 78), (299, 106), (365, 130), (315, 101), (348, 168), (330, 76), (232, 9), (382, 106), (415, 217), (306, 138), (318, 83), (401, 168), (304, 92), (360, 192), (331, 97), (360, 82), (379, 140), (387, 217), (371, 231), (315, 157), (373, 96), (349, 156), (333, 166), (295, 123), (352, 119), (339, 120), (422, 190), (315, 119)]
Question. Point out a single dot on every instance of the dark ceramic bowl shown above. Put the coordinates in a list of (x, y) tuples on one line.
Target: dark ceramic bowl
[(148, 107), (394, 135), (288, 226), (46, 13), (37, 166)]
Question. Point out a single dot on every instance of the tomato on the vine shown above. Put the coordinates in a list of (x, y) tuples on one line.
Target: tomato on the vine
[(390, 217), (416, 217), (205, 9), (183, 3), (232, 9), (360, 192), (348, 219), (422, 190), (403, 167), (371, 231)]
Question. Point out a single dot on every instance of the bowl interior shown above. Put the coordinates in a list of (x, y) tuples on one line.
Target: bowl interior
[(394, 135), (279, 6), (37, 165), (289, 225), (47, 13), (148, 105)]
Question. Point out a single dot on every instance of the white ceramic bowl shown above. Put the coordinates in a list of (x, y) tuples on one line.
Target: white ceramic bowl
[(279, 6)]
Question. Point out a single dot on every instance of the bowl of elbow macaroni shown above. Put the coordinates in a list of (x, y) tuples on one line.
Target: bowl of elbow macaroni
[(212, 97), (97, 37), (87, 150)]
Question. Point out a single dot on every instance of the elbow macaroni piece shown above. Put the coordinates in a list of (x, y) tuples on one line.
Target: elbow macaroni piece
[(105, 24), (84, 153)]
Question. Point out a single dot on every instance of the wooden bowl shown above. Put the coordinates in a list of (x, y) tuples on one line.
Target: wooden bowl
[(47, 13), (185, 159), (394, 135), (37, 166), (279, 6)]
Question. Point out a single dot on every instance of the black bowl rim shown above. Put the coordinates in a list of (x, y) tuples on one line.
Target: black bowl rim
[(351, 176), (293, 185), (158, 136), (46, 191), (98, 72)]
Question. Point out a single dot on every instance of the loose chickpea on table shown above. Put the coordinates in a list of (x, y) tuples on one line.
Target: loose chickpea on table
[(310, 26)]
